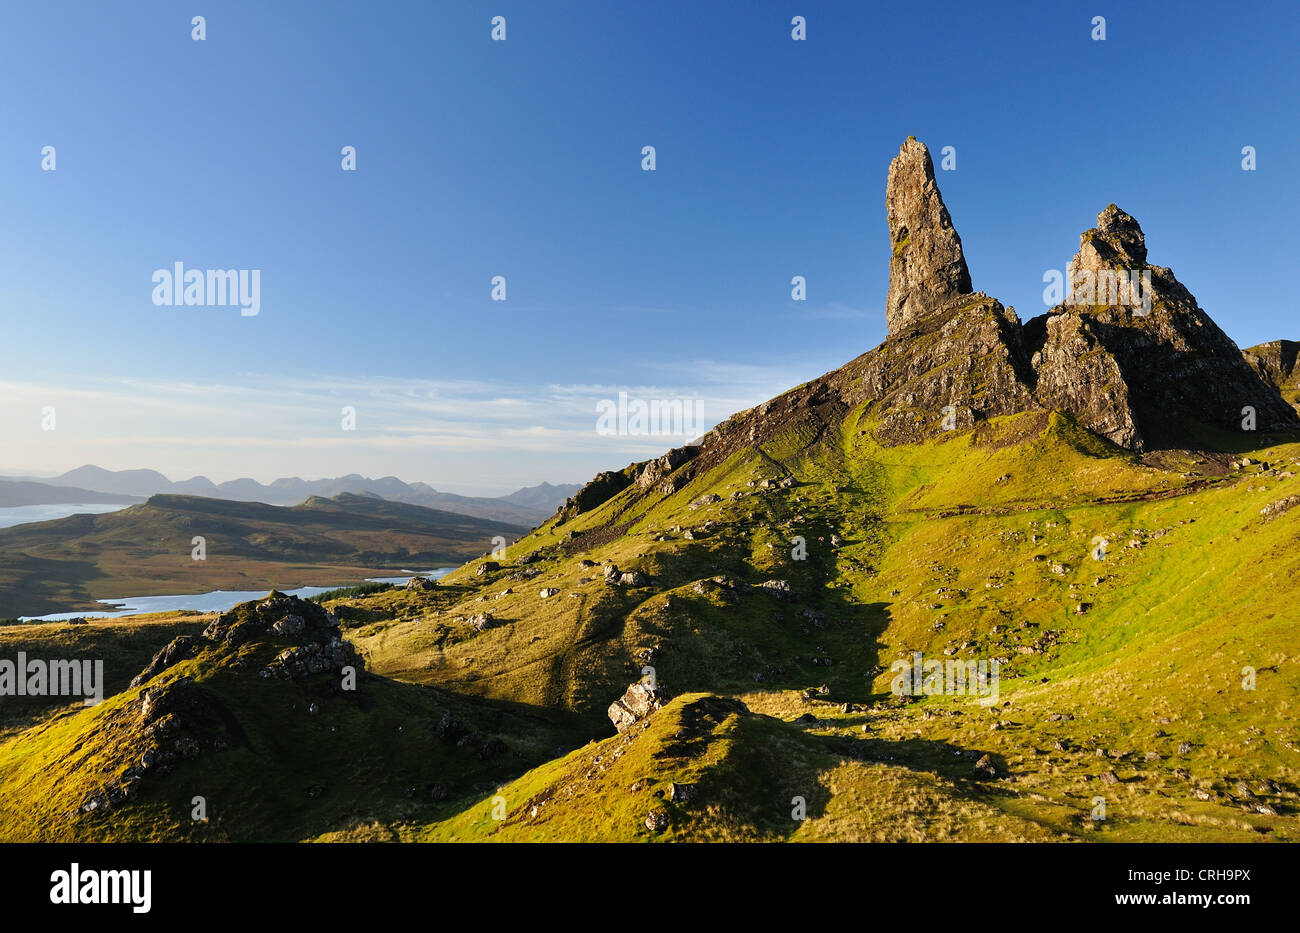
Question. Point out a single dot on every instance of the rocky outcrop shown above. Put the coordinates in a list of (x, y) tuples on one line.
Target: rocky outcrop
[(1127, 352), (1131, 354), (600, 490), (179, 718), (927, 268), (1076, 374), (961, 364), (638, 702), (312, 635), (177, 650), (174, 722), (657, 471)]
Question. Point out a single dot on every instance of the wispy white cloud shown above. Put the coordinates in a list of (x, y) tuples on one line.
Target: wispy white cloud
[(473, 435)]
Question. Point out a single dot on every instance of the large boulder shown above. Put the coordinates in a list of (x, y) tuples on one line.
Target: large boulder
[(638, 702)]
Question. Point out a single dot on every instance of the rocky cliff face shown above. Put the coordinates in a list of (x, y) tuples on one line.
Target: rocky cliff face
[(1128, 351), (1275, 362), (1132, 354)]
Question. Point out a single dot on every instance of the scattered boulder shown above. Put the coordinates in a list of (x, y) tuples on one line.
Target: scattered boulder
[(1281, 506), (638, 702), (986, 768), (656, 821), (682, 793), (484, 620)]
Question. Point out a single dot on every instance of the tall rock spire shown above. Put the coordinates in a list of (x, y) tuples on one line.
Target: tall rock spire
[(927, 268)]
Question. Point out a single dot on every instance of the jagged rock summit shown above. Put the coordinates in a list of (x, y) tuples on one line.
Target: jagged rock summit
[(1127, 351), (927, 268), (1133, 356)]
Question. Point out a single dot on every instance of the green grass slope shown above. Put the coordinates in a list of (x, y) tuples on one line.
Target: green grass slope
[(1121, 670), (273, 757)]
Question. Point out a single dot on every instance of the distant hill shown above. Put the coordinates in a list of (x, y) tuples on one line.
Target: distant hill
[(66, 564), (545, 497), (16, 492), (528, 506), (138, 483)]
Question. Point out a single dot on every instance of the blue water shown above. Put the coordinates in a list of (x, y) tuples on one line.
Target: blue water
[(22, 514), (216, 601)]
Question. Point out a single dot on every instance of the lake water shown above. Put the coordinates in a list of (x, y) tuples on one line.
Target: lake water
[(216, 601), (22, 514)]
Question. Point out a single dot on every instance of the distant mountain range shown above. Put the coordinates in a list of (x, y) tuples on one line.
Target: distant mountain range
[(529, 506)]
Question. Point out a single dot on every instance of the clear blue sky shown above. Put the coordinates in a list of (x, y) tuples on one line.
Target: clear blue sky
[(523, 158)]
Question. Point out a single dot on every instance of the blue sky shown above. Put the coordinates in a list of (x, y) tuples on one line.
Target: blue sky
[(522, 158)]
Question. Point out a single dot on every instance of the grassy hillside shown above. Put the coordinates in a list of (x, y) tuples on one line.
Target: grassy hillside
[(65, 565), (1140, 609), (1121, 677), (274, 757)]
